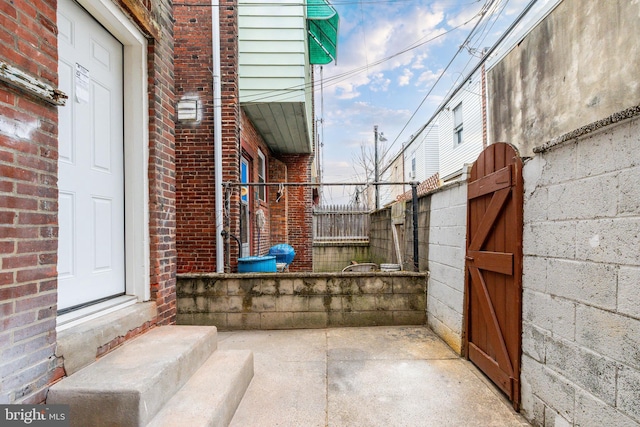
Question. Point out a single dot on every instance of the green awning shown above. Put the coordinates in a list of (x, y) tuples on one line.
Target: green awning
[(322, 23)]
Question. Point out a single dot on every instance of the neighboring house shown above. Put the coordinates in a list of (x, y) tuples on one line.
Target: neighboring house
[(452, 137), (422, 154), (87, 205), (460, 126), (458, 131), (268, 131), (395, 172)]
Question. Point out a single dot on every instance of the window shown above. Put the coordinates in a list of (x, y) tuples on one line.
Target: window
[(457, 125), (262, 175), (412, 173)]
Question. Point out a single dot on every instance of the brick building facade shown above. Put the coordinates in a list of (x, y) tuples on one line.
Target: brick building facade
[(32, 140), (287, 211)]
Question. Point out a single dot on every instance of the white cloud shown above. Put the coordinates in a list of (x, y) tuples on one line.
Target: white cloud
[(405, 77), (427, 77), (386, 31), (379, 83), (464, 15)]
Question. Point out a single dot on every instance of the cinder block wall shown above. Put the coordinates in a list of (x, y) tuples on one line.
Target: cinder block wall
[(380, 237), (334, 256), (581, 300), (447, 246), (302, 300)]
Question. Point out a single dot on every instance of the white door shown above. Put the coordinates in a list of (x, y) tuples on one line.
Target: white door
[(91, 161)]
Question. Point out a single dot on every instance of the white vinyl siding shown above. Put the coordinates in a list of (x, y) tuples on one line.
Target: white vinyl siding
[(454, 155), (424, 149), (272, 51)]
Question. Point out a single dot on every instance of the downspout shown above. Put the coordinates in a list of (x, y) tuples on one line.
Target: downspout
[(217, 135)]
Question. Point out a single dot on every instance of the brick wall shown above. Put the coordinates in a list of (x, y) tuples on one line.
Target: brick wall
[(162, 169), (300, 205), (28, 192), (28, 207), (195, 204), (278, 206), (195, 185), (251, 141), (581, 316)]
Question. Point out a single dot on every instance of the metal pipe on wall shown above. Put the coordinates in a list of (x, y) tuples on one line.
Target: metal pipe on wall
[(217, 135)]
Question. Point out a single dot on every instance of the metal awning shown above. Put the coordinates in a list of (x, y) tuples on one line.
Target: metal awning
[(322, 24)]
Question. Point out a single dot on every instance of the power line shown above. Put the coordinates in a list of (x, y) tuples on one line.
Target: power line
[(350, 73), (484, 58), (482, 13), (334, 3)]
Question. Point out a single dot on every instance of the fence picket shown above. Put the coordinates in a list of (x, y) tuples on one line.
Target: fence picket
[(336, 222)]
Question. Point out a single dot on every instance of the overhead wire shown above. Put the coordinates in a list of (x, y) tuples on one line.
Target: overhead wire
[(486, 55), (454, 86), (298, 4), (338, 78), (482, 13)]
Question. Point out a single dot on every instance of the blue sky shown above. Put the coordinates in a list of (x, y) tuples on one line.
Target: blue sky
[(374, 83)]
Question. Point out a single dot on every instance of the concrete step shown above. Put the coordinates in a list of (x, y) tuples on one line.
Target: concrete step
[(129, 386), (212, 395)]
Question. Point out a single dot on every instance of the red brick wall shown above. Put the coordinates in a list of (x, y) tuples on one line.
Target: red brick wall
[(279, 207), (28, 207), (194, 147), (28, 195), (195, 185), (251, 141), (299, 218), (230, 117), (162, 169)]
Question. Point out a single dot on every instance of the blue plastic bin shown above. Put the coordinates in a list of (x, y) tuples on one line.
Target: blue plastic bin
[(257, 264), (284, 253)]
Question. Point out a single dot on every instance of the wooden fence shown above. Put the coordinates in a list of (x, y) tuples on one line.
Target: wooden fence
[(340, 223)]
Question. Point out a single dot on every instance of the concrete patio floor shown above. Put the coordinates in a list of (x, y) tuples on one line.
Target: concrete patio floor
[(376, 376)]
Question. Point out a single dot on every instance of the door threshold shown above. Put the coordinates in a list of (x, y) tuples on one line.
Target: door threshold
[(76, 317)]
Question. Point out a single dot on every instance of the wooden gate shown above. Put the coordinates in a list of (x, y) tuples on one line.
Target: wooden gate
[(494, 267)]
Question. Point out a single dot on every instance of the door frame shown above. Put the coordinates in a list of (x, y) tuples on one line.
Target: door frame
[(136, 143), (246, 200)]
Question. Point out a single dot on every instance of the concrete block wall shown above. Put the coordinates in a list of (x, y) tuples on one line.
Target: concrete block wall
[(302, 300), (581, 299), (447, 246), (380, 237), (334, 256)]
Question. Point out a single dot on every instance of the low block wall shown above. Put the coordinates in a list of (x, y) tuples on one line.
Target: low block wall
[(334, 256), (297, 300)]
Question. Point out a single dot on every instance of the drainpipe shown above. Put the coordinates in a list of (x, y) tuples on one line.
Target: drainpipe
[(217, 134)]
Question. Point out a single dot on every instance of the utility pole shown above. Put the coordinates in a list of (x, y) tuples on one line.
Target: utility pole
[(376, 174), (375, 166)]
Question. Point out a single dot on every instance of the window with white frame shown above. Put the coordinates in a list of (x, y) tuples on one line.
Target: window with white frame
[(457, 125), (262, 176)]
